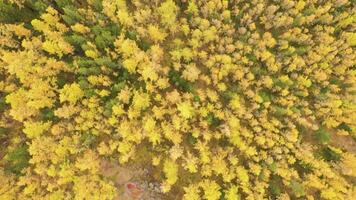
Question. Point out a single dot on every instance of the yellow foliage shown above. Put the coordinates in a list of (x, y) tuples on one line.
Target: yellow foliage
[(300, 5), (223, 94), (351, 39), (191, 192), (349, 164), (140, 100), (186, 110), (328, 193), (211, 190), (19, 108), (35, 129), (91, 54), (93, 187), (149, 73), (71, 93), (242, 174), (191, 163), (168, 11), (130, 64), (89, 162), (8, 189), (156, 34), (41, 95), (170, 170), (191, 73), (192, 8), (235, 102), (80, 28), (39, 25), (232, 193)]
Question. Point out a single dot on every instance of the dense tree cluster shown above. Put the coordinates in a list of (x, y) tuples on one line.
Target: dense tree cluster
[(225, 99)]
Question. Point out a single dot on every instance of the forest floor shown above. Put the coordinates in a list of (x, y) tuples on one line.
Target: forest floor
[(143, 185)]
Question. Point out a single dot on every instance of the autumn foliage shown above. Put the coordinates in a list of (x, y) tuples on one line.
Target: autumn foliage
[(239, 99)]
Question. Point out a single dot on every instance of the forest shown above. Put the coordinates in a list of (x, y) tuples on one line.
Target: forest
[(177, 99)]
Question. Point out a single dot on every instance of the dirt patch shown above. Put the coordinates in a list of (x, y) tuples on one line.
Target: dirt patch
[(345, 142), (132, 182)]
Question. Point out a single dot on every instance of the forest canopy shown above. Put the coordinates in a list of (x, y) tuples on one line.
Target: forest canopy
[(217, 99)]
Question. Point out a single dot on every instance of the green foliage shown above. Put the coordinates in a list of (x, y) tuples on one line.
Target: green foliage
[(108, 107), (106, 61), (48, 115), (257, 70), (345, 127), (97, 4), (71, 15), (225, 91), (64, 3), (191, 139), (279, 111), (38, 5), (11, 13), (213, 120), (275, 187), (297, 188), (17, 159), (142, 44), (105, 36), (303, 168), (88, 139), (2, 103), (75, 40), (3, 132), (330, 155), (266, 96), (176, 78), (322, 135), (272, 167)]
